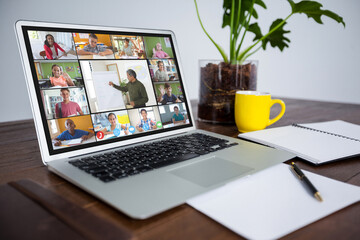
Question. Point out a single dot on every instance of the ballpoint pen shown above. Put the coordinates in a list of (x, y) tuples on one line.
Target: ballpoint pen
[(307, 182)]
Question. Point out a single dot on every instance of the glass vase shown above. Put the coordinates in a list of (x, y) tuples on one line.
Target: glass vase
[(219, 82)]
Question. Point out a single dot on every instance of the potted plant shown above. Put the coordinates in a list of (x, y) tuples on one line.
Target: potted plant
[(221, 79)]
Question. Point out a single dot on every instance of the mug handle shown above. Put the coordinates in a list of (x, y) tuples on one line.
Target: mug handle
[(282, 104)]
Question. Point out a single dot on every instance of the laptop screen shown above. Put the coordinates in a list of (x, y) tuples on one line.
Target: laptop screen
[(97, 87)]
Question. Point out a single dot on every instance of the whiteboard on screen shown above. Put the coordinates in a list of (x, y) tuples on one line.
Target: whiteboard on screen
[(108, 98)]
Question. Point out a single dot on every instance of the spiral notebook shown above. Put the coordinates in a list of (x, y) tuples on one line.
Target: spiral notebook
[(315, 142)]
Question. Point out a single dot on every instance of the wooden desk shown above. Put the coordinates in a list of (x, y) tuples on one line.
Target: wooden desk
[(20, 158)]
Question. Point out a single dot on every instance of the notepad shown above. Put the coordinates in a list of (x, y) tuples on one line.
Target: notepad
[(315, 142), (74, 141), (273, 203)]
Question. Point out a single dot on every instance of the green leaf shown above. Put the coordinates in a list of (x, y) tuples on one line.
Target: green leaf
[(312, 10), (245, 9), (277, 38), (254, 28), (220, 49)]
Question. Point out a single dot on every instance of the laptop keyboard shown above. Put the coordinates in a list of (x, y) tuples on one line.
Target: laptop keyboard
[(142, 158)]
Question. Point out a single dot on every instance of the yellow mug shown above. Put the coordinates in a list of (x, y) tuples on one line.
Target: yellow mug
[(252, 110)]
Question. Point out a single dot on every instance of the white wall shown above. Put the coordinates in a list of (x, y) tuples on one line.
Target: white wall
[(321, 63)]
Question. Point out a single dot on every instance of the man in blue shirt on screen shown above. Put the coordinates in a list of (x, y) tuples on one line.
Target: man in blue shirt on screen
[(71, 133), (178, 117)]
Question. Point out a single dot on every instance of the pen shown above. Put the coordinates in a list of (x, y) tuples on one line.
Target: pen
[(302, 177)]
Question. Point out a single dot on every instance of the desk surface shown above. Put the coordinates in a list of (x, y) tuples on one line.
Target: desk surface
[(20, 158)]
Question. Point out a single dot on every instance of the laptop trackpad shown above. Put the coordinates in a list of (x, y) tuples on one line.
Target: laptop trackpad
[(211, 171)]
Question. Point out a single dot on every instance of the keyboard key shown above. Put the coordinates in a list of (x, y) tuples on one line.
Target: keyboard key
[(107, 178), (77, 163), (100, 174), (132, 172), (202, 152), (113, 170), (119, 175), (143, 168), (134, 160), (95, 170), (88, 166)]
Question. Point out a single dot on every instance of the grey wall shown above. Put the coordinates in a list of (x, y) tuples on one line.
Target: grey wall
[(322, 62)]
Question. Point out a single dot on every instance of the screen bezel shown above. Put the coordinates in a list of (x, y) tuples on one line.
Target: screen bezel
[(41, 122)]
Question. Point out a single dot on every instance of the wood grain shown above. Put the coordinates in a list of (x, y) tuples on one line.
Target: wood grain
[(78, 219), (20, 159)]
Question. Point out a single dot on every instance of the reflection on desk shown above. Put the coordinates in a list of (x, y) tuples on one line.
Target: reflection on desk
[(67, 143)]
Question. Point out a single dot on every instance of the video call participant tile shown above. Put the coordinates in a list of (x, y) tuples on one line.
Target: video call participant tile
[(52, 45), (163, 70), (173, 115), (128, 47), (65, 102), (93, 46), (158, 47), (72, 131), (58, 73), (116, 85), (145, 119), (168, 93), (111, 125)]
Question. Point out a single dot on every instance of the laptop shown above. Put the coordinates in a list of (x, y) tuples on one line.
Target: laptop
[(113, 117)]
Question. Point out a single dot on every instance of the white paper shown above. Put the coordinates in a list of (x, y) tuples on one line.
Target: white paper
[(74, 141), (110, 56), (337, 127), (316, 147), (273, 203)]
